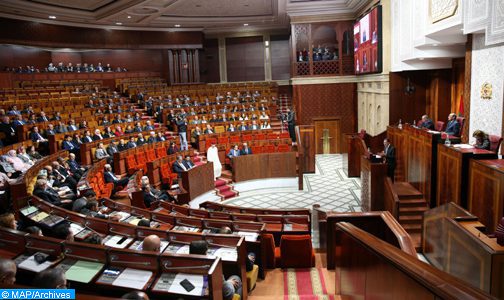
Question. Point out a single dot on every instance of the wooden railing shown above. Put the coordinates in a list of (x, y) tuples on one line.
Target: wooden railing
[(370, 268)]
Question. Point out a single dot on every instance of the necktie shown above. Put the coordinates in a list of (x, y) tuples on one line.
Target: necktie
[(183, 167)]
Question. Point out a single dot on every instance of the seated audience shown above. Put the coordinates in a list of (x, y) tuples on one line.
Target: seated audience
[(50, 279), (100, 152), (188, 162), (8, 220), (24, 156), (178, 166), (172, 149), (453, 126), (33, 153), (232, 285), (426, 123), (8, 270), (245, 150), (151, 243), (46, 193), (482, 140), (16, 162), (111, 177)]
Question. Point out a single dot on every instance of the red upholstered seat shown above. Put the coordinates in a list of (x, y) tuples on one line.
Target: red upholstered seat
[(257, 149), (268, 148), (272, 136), (167, 176), (151, 155), (210, 141), (260, 137), (439, 126), (268, 243), (234, 139), (161, 152), (284, 135), (247, 137), (132, 164), (495, 142), (296, 251), (283, 148)]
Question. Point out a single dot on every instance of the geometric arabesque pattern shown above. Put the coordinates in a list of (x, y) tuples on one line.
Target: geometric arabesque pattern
[(329, 187)]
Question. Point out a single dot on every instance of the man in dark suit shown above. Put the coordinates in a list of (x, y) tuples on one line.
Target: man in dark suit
[(71, 126), (35, 135), (151, 195), (188, 162), (18, 121), (453, 126), (111, 177), (140, 140), (43, 117), (178, 166), (97, 135), (8, 130), (131, 143), (389, 156), (67, 144), (245, 150), (75, 167), (234, 152), (123, 145), (50, 130), (427, 123), (43, 191), (112, 148)]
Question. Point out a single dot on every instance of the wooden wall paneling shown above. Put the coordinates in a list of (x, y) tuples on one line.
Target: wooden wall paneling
[(183, 66), (407, 107), (48, 35), (132, 60), (66, 57), (209, 61), (333, 125), (372, 185), (457, 87), (486, 191), (245, 59), (15, 56), (280, 57), (196, 66), (327, 100)]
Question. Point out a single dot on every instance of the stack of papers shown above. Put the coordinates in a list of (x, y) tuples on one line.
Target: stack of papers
[(185, 228), (83, 271), (226, 254), (76, 228), (177, 248), (138, 245), (463, 146), (122, 215), (31, 265), (132, 278)]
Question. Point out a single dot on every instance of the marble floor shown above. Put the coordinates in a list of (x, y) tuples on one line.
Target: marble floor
[(328, 186)]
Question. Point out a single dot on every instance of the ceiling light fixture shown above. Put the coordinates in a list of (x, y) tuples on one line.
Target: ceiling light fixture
[(246, 24), (118, 23), (435, 45), (177, 25), (52, 17), (129, 17)]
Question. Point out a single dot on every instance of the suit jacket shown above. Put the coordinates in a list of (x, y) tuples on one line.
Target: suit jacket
[(149, 198), (152, 140), (97, 137), (390, 156), (66, 145), (16, 123), (50, 132), (428, 124), (246, 151), (112, 149), (47, 195), (177, 168), (122, 147), (74, 166), (188, 164), (72, 128), (42, 119), (453, 128), (234, 153), (140, 142), (109, 178), (87, 139), (131, 145), (101, 153), (146, 128), (35, 136)]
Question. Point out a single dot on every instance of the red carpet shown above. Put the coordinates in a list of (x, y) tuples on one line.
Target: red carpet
[(305, 284), (224, 189)]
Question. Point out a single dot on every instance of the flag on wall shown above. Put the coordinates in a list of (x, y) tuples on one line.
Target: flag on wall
[(461, 106)]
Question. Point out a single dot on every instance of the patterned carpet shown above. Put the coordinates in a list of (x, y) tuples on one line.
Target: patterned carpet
[(329, 187)]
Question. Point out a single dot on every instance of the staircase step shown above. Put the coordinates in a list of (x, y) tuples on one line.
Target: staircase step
[(412, 227), (412, 203), (220, 182), (405, 190), (409, 219), (408, 211), (224, 188), (229, 194)]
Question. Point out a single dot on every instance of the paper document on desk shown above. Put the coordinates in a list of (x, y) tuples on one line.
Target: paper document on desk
[(249, 236), (463, 146), (177, 248), (433, 131), (75, 228), (117, 241), (138, 245), (226, 254), (122, 215), (132, 278), (195, 280), (83, 271), (28, 210), (31, 265)]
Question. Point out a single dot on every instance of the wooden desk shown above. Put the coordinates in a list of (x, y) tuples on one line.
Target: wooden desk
[(454, 243), (373, 182), (197, 181), (416, 157), (453, 172), (486, 191), (264, 165)]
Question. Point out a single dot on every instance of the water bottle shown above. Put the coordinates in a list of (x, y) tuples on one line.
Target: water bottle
[(414, 123), (400, 124), (447, 142)]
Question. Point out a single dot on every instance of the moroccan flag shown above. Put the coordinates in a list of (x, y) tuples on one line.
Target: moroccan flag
[(461, 106)]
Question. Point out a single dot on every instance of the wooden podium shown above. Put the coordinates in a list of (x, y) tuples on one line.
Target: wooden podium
[(328, 128), (372, 184), (264, 165), (196, 181), (356, 148)]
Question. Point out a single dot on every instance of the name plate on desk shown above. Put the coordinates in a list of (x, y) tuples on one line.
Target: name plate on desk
[(181, 283)]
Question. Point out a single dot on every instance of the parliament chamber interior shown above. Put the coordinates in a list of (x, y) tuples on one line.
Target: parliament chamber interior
[(252, 149)]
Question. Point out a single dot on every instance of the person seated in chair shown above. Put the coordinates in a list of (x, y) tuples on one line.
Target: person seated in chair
[(245, 150), (178, 166), (482, 140), (172, 149), (151, 243), (426, 123), (453, 126), (111, 177), (234, 152), (231, 286), (151, 195), (188, 162), (44, 192)]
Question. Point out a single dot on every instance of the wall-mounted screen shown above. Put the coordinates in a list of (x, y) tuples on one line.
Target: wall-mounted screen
[(368, 43)]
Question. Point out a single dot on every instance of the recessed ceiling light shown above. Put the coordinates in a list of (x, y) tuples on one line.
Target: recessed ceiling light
[(129, 17), (435, 45), (246, 24), (421, 58), (177, 25), (52, 17), (118, 23)]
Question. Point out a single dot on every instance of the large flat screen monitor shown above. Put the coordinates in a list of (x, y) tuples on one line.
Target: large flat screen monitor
[(368, 42)]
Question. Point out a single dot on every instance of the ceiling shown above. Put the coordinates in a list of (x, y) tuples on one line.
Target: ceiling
[(205, 15)]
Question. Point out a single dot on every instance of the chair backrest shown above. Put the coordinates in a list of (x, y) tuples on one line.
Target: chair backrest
[(283, 148), (161, 152), (461, 121), (284, 135), (296, 251), (439, 126), (495, 142)]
